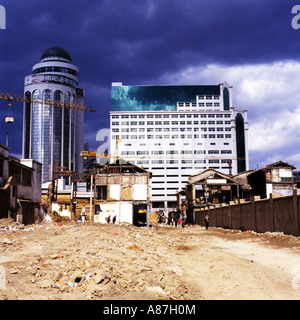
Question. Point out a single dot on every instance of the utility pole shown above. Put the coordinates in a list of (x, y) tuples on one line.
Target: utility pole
[(91, 196)]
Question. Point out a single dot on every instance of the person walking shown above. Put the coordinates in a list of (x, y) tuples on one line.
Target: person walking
[(183, 221), (206, 221)]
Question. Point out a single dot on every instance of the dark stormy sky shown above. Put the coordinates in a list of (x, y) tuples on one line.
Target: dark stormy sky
[(249, 43)]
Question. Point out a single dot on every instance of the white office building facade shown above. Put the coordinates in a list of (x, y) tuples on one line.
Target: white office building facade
[(178, 131)]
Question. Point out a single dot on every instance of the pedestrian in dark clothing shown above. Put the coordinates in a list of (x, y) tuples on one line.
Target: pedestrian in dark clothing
[(114, 219), (206, 221), (183, 221)]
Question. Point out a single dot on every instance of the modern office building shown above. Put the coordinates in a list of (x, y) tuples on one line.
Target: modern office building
[(178, 131), (53, 134)]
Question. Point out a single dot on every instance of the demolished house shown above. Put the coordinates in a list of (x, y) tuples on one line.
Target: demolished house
[(122, 191), (20, 188), (211, 186), (274, 178)]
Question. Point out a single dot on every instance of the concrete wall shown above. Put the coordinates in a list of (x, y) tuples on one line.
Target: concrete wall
[(276, 214)]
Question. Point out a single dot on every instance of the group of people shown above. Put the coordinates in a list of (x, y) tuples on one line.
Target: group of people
[(177, 219), (114, 219)]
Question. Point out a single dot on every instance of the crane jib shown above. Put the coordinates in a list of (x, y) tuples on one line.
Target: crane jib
[(15, 97)]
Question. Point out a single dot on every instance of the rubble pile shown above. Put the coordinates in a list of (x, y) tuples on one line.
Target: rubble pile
[(98, 262)]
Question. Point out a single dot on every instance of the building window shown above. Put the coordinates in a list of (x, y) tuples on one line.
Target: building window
[(26, 177), (142, 152), (101, 192)]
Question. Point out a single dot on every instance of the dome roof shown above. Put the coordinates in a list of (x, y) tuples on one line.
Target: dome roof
[(56, 52)]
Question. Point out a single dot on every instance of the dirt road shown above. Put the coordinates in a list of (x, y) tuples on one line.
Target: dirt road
[(94, 261)]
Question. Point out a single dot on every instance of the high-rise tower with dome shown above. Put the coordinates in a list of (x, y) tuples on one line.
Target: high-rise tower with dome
[(53, 134)]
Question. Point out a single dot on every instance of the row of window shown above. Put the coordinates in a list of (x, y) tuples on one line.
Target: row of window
[(199, 104), (208, 97), (166, 116), (170, 129), (162, 152), (167, 123), (143, 162), (56, 69), (174, 136)]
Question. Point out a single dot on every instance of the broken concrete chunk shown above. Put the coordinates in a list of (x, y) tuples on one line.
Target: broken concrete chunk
[(7, 241)]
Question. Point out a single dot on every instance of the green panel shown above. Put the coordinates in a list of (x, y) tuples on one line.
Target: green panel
[(152, 98)]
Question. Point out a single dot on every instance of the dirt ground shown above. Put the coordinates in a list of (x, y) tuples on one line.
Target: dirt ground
[(95, 261)]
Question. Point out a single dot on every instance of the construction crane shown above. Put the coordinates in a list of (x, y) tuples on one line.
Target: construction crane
[(15, 97)]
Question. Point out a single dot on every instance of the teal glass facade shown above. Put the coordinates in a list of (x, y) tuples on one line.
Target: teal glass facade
[(155, 98)]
